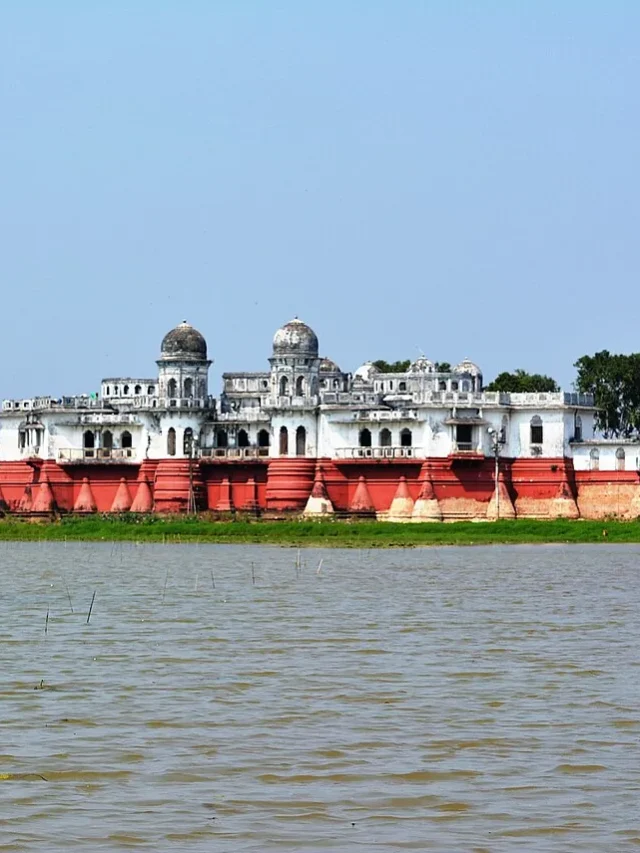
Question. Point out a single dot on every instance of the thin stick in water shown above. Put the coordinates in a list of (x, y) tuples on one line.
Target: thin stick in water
[(319, 566), (68, 593), (46, 623), (165, 586), (213, 580), (93, 598), (253, 574)]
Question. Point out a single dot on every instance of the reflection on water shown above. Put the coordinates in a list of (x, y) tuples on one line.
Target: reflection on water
[(225, 698)]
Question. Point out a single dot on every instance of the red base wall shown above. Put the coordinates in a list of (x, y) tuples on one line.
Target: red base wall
[(463, 488)]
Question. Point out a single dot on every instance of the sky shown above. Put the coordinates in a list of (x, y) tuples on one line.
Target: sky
[(458, 179)]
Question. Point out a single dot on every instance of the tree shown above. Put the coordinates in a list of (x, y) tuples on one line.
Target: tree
[(392, 367), (522, 382), (443, 367), (614, 381)]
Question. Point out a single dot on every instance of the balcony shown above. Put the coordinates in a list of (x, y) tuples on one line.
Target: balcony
[(233, 452), (70, 455), (378, 452)]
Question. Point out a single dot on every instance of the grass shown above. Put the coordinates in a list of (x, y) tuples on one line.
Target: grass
[(326, 533)]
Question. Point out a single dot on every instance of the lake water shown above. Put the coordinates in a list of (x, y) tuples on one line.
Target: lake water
[(453, 699)]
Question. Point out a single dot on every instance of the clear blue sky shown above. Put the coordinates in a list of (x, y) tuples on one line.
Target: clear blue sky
[(460, 178)]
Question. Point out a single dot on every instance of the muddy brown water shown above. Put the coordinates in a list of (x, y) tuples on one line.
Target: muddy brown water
[(453, 699)]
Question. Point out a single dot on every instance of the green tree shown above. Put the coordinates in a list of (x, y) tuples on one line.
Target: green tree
[(522, 382), (614, 381), (443, 367), (393, 366)]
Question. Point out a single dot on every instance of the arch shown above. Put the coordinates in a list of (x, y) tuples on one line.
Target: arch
[(137, 389), (125, 390), (243, 438), (107, 439), (150, 389), (536, 430), (385, 437), (465, 385), (125, 440), (454, 385), (187, 441), (442, 385), (406, 438), (116, 390), (402, 386), (577, 432), (108, 391), (300, 386), (263, 438), (620, 459), (284, 441), (88, 440), (202, 389), (188, 387), (594, 459), (172, 388), (171, 441), (301, 441), (284, 386), (222, 439), (365, 437)]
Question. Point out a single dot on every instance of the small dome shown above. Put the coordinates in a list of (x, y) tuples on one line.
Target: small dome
[(184, 342), (366, 372), (467, 366), (327, 365), (295, 338), (422, 365)]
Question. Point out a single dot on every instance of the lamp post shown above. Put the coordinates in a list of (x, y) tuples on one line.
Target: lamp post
[(497, 439)]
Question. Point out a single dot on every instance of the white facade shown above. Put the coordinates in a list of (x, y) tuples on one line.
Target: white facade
[(303, 405)]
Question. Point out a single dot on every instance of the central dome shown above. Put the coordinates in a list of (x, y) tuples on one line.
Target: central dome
[(295, 338), (184, 342)]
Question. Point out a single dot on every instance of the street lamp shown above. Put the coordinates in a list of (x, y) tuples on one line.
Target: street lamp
[(497, 440)]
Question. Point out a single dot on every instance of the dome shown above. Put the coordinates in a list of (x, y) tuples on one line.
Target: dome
[(184, 342), (295, 338), (327, 365), (366, 372), (422, 365), (467, 366)]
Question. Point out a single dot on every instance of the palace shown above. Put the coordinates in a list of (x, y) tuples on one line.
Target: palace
[(306, 436)]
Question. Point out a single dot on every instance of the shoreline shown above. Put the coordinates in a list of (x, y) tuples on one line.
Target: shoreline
[(318, 533)]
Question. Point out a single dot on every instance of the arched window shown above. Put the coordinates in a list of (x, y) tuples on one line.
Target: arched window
[(188, 387), (300, 386), (150, 390), (454, 386), (284, 441), (442, 385), (202, 389), (108, 391), (402, 386), (126, 440), (116, 390), (536, 430), (284, 386), (222, 439), (465, 385), (172, 388), (243, 438), (187, 441), (620, 459), (385, 437), (594, 459), (577, 433), (88, 440), (125, 390), (365, 438), (137, 389), (301, 441), (263, 438), (406, 438), (107, 439), (171, 441)]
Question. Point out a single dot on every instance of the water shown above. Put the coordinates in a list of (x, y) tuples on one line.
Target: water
[(481, 699)]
